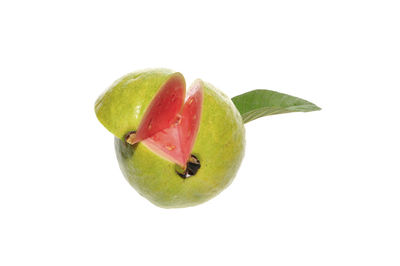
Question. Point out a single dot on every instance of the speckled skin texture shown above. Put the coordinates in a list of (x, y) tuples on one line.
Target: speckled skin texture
[(219, 146)]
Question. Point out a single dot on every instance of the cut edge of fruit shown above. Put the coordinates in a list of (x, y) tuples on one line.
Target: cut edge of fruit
[(171, 94), (191, 117), (180, 137), (161, 145)]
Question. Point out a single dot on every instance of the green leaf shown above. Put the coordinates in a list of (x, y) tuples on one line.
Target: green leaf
[(259, 103)]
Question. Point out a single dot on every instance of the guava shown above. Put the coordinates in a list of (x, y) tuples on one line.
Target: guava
[(218, 146), (181, 149)]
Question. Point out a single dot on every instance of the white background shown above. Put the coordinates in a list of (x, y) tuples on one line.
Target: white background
[(319, 188)]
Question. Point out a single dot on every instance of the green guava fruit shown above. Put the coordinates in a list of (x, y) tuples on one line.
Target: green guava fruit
[(179, 151), (146, 103)]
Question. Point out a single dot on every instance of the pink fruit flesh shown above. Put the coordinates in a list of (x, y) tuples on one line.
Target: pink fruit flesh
[(166, 144), (163, 109), (190, 121), (175, 143)]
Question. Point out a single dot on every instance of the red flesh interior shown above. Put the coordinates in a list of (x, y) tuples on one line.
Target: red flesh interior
[(175, 142), (163, 109)]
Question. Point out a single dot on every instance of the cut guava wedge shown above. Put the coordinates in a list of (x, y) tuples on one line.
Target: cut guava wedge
[(163, 109), (175, 143)]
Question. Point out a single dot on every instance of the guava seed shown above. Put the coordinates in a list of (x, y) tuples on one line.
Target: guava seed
[(130, 137), (192, 166)]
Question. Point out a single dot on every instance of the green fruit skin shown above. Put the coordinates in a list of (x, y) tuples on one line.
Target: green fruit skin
[(219, 146), (122, 106)]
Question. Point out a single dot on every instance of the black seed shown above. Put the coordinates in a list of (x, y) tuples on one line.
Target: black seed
[(192, 166), (184, 175)]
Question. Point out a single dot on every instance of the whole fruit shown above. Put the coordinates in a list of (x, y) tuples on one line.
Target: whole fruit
[(179, 151), (218, 146)]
